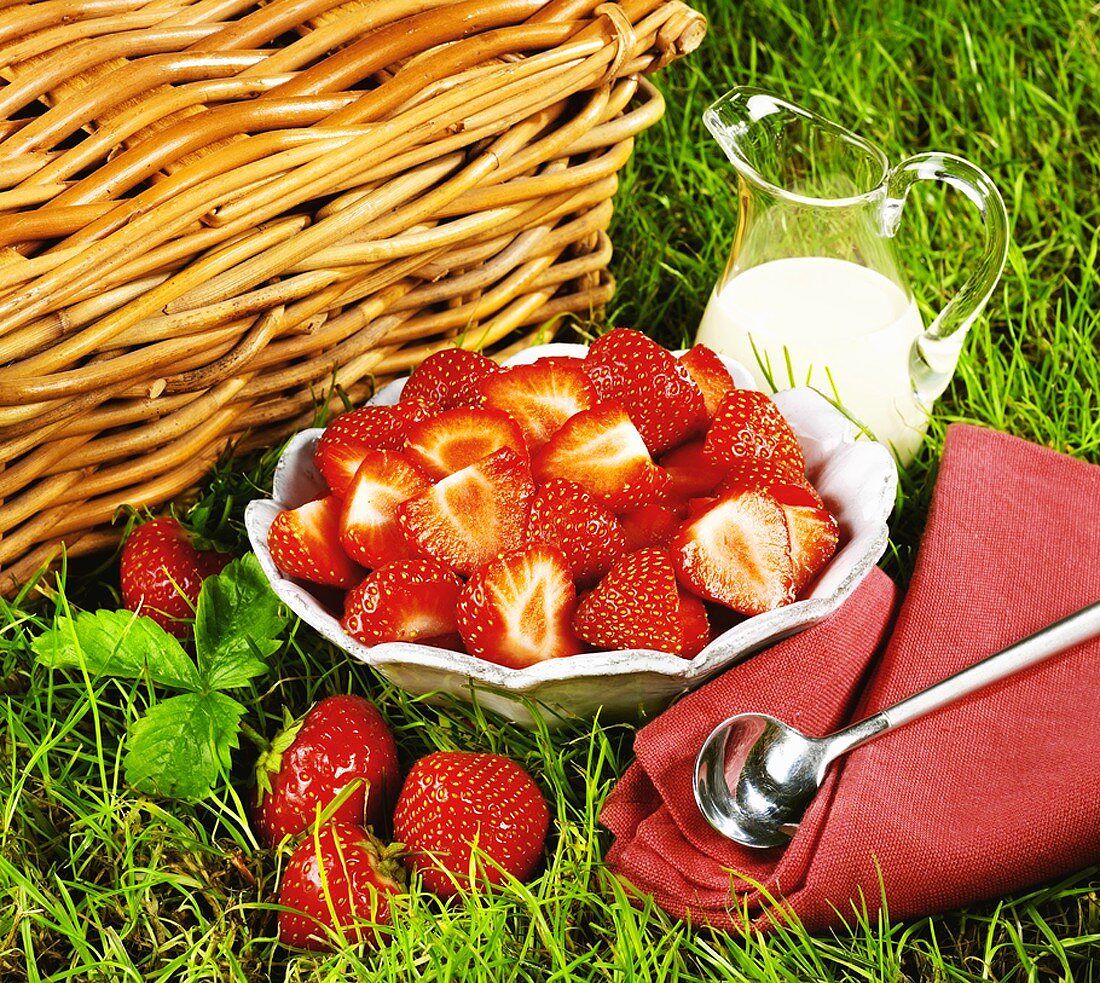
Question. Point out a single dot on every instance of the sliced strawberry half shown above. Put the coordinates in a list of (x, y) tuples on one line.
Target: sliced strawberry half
[(588, 535), (449, 377), (638, 605), (695, 623), (602, 451), (541, 396), (650, 525), (653, 387), (518, 610), (444, 444), (775, 476), (349, 436), (369, 532), (691, 473), (749, 427), (738, 553), (814, 537), (305, 543), (710, 374), (468, 518), (406, 601)]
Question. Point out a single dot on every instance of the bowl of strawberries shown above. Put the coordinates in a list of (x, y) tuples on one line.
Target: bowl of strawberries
[(576, 530)]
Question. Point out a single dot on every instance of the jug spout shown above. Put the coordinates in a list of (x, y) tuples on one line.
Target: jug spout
[(782, 148)]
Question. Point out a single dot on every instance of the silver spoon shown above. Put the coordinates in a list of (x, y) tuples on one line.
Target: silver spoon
[(755, 775)]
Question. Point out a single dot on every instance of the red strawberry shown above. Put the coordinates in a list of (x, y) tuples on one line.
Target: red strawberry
[(764, 473), (312, 760), (749, 425), (601, 450), (588, 535), (473, 515), (305, 543), (161, 571), (405, 601), (346, 439), (541, 396), (691, 473), (651, 525), (369, 532), (710, 374), (338, 884), (449, 377), (443, 444), (696, 625), (638, 605), (455, 801), (518, 610), (738, 553), (814, 536), (653, 387)]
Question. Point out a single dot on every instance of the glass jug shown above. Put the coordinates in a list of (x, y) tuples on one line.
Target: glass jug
[(812, 293)]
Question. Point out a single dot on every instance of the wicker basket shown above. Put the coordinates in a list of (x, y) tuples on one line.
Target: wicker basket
[(212, 210)]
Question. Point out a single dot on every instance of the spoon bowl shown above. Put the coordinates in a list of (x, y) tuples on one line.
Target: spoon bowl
[(755, 775), (773, 770)]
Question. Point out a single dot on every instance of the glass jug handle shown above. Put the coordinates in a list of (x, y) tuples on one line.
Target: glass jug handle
[(934, 354)]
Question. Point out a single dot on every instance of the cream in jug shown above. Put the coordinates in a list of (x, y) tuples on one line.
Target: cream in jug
[(812, 294)]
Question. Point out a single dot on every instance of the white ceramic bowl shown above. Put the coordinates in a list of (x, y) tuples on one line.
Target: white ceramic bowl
[(857, 480)]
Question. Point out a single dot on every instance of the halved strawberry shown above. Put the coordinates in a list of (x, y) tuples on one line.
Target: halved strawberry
[(651, 525), (638, 605), (518, 610), (697, 629), (709, 373), (588, 535), (601, 450), (406, 601), (305, 543), (814, 537), (369, 532), (541, 396), (691, 473), (773, 476), (455, 438), (468, 518), (749, 426), (449, 377), (738, 553), (653, 387), (350, 435)]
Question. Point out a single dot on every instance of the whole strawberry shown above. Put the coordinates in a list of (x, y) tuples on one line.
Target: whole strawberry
[(453, 801), (161, 571), (312, 760), (339, 880)]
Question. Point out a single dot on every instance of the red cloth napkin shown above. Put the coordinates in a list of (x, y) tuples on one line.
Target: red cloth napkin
[(989, 796)]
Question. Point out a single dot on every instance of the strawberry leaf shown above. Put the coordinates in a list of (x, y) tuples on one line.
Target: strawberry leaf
[(238, 624), (117, 643), (182, 745)]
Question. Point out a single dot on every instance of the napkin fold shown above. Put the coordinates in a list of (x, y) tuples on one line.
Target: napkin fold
[(989, 796)]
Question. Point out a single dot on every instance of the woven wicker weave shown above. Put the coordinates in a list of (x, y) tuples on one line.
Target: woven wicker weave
[(210, 211)]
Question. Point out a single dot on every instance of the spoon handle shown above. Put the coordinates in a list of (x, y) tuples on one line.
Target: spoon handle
[(1055, 638)]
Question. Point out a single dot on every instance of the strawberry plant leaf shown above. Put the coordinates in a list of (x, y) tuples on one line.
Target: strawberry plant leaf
[(238, 624), (181, 747), (117, 643)]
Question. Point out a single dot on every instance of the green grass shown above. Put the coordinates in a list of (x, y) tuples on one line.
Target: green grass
[(98, 883)]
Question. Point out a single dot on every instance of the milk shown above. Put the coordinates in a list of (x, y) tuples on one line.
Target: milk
[(845, 329)]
